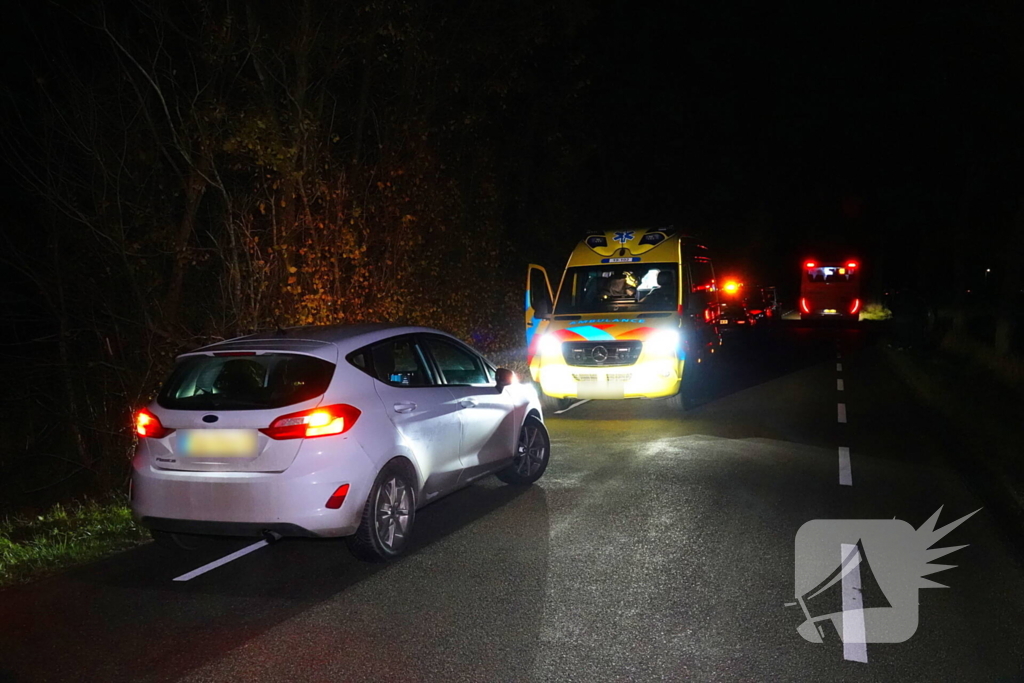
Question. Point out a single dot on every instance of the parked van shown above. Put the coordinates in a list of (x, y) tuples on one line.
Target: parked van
[(634, 310)]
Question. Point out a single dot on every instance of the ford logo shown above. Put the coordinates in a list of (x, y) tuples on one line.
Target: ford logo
[(210, 418), (599, 354)]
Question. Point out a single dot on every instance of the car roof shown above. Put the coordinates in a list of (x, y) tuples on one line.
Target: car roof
[(313, 338)]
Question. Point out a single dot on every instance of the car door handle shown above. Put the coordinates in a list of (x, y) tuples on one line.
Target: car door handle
[(467, 403), (405, 407)]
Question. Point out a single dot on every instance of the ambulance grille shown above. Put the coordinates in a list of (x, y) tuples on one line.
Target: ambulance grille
[(601, 353)]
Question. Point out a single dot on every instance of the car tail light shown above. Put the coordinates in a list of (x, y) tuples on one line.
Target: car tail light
[(851, 264), (325, 421), (855, 306), (337, 498), (756, 311), (148, 425), (804, 306), (810, 264)]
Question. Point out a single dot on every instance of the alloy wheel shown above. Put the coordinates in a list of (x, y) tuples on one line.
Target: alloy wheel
[(392, 513), (530, 452)]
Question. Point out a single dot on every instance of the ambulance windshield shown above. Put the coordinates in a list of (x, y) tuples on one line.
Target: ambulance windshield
[(619, 287)]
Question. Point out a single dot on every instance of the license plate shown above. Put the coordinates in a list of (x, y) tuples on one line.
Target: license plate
[(830, 311), (600, 389), (724, 321), (224, 443)]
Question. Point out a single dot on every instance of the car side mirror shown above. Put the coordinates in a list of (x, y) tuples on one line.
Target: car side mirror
[(504, 377)]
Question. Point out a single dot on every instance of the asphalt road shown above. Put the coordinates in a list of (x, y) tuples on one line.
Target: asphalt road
[(657, 547)]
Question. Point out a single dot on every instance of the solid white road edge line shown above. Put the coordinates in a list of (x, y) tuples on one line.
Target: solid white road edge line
[(839, 385), (222, 561), (855, 647), (842, 413), (577, 403), (845, 474)]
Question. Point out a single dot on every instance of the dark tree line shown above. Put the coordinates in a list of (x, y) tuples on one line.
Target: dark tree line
[(202, 169)]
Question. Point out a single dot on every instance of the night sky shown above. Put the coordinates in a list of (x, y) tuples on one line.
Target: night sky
[(783, 130)]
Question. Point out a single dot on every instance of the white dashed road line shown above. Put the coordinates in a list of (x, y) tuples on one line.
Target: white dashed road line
[(842, 413), (839, 367), (845, 473), (839, 385), (222, 561), (855, 648)]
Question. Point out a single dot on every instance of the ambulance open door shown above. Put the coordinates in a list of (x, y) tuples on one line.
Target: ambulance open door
[(539, 301)]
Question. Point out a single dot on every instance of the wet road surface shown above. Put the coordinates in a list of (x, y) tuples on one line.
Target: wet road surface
[(658, 546)]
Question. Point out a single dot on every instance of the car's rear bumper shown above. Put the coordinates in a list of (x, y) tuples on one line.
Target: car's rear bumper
[(290, 503), (822, 315), (189, 526)]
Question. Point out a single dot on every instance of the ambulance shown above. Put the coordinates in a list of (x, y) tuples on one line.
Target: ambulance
[(635, 313)]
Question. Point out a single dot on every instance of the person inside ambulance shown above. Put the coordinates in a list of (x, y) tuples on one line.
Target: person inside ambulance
[(664, 296), (619, 286)]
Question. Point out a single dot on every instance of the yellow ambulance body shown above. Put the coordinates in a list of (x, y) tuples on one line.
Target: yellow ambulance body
[(635, 312)]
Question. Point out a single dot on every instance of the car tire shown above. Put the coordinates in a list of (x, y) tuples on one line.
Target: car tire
[(179, 542), (692, 383), (677, 402), (388, 516), (533, 452)]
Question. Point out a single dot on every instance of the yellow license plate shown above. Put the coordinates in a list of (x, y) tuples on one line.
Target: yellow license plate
[(225, 443), (830, 311)]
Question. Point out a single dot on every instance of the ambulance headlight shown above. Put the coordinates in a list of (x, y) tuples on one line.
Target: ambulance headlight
[(663, 342), (550, 345)]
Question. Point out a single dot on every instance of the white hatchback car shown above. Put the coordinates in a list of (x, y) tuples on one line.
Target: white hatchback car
[(328, 431)]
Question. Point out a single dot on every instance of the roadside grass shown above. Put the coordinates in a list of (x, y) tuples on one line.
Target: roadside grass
[(64, 536), (875, 312)]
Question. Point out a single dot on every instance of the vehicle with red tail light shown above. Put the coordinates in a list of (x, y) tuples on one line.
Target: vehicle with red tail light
[(830, 290), (733, 309), (762, 303), (734, 315), (328, 431)]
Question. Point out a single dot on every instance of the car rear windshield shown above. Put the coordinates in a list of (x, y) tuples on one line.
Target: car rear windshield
[(268, 380)]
